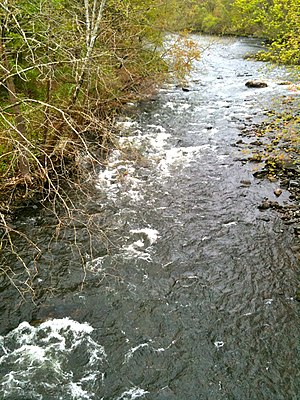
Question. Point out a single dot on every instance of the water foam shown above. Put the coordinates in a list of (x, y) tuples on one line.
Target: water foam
[(152, 234), (134, 393), (181, 157), (131, 352), (37, 360), (141, 248)]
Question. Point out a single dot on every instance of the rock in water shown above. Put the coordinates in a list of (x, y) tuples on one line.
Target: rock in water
[(284, 83), (277, 192), (256, 84)]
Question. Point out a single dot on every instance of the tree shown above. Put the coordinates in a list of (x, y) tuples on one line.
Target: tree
[(276, 21)]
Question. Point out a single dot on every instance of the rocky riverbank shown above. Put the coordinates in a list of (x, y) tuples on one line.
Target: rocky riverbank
[(274, 145)]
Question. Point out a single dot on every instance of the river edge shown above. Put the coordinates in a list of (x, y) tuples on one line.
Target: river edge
[(274, 148), (275, 159), (275, 154), (18, 193)]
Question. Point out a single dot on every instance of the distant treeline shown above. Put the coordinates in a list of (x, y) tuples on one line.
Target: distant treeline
[(277, 21)]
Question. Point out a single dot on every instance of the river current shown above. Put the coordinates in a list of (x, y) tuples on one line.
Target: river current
[(189, 288)]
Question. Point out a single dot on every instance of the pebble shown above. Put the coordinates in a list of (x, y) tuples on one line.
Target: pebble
[(245, 182), (265, 218), (294, 184), (272, 178), (256, 143), (264, 205), (284, 83), (277, 192)]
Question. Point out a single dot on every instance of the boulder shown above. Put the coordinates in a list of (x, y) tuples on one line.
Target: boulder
[(256, 84)]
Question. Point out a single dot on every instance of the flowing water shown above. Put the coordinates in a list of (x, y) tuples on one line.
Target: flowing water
[(189, 291)]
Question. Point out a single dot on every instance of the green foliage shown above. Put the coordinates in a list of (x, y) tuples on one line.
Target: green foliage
[(56, 67), (277, 21)]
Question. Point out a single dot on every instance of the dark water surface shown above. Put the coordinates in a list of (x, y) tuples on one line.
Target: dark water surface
[(189, 291)]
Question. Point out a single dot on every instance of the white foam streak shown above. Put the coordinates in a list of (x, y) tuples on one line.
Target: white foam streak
[(135, 250), (159, 128), (131, 352), (180, 156), (134, 393), (177, 107), (159, 140), (96, 265), (219, 344)]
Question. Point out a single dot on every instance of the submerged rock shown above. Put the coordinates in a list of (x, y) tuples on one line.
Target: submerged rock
[(256, 84), (266, 204)]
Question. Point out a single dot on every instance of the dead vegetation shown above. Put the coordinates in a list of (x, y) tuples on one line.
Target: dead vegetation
[(67, 70)]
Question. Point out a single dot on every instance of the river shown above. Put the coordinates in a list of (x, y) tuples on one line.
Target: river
[(188, 288)]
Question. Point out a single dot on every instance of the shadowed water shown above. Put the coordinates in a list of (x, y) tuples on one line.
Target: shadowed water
[(189, 291)]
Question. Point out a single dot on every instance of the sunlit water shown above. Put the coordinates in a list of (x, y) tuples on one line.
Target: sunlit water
[(189, 291)]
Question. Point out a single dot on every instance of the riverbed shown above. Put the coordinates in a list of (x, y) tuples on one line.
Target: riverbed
[(183, 289)]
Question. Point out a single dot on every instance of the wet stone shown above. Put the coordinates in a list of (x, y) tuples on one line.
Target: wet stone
[(265, 205), (272, 178), (297, 230), (294, 184), (256, 84), (277, 192), (284, 83), (245, 182), (265, 218), (256, 143), (260, 174)]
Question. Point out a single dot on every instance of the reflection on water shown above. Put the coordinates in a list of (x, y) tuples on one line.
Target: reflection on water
[(189, 291)]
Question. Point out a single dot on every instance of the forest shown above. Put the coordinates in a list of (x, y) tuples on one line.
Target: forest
[(277, 22), (68, 68)]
